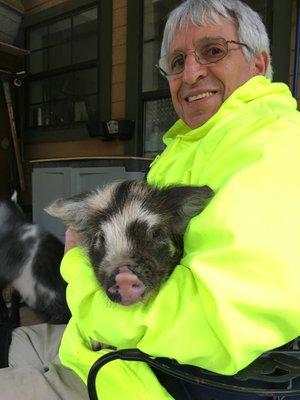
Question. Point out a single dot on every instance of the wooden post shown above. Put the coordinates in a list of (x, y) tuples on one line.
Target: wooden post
[(12, 122)]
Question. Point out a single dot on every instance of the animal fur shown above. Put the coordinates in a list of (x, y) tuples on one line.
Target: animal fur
[(132, 232), (29, 261)]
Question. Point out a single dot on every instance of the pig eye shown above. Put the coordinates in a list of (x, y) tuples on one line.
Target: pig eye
[(158, 233)]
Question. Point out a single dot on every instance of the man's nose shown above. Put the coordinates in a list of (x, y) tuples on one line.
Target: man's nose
[(193, 70)]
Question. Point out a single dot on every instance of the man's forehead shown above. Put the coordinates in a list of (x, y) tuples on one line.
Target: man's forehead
[(205, 40), (187, 37)]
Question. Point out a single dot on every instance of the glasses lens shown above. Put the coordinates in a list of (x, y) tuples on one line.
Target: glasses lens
[(172, 63), (207, 51), (211, 51)]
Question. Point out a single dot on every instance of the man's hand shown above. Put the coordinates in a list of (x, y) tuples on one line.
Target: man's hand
[(71, 239)]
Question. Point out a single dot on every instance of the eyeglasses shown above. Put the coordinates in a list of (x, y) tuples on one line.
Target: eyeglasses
[(207, 51)]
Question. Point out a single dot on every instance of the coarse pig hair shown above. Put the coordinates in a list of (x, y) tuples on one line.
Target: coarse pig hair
[(132, 232), (29, 262)]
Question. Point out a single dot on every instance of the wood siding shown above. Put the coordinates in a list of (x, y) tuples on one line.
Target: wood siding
[(119, 58)]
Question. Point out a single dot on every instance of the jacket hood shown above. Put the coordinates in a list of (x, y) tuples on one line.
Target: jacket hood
[(255, 89)]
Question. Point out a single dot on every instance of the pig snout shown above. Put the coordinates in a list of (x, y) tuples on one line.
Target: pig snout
[(127, 288)]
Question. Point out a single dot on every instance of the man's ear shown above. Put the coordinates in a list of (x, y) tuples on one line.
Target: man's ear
[(185, 202), (261, 63)]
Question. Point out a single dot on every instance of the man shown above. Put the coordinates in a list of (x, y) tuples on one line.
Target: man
[(234, 295)]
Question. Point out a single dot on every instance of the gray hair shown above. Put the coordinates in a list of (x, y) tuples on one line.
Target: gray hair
[(251, 30)]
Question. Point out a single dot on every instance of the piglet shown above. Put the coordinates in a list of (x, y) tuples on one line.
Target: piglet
[(132, 232)]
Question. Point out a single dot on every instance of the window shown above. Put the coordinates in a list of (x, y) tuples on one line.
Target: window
[(157, 109), (63, 71)]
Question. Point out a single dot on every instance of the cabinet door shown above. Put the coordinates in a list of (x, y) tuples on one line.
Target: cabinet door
[(49, 184), (83, 179)]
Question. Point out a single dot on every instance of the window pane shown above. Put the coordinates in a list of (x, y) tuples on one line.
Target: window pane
[(92, 107), (154, 20), (39, 115), (86, 109), (46, 115), (60, 31), (38, 91), (60, 56), (70, 94), (85, 21), (260, 7), (159, 117), (35, 92), (152, 79), (62, 113), (86, 82), (62, 87), (150, 21), (38, 38), (38, 62), (155, 13), (85, 49), (80, 111), (85, 36), (35, 116)]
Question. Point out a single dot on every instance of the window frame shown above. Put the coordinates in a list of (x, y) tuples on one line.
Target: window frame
[(135, 97), (103, 64)]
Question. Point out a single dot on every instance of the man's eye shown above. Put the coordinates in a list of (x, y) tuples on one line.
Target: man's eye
[(213, 52), (177, 62)]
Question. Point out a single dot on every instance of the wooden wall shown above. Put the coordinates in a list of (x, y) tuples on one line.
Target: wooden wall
[(119, 58)]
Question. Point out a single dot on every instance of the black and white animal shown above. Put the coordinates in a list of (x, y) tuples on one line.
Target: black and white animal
[(30, 261), (132, 232)]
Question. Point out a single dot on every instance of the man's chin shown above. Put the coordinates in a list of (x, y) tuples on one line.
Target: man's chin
[(198, 121)]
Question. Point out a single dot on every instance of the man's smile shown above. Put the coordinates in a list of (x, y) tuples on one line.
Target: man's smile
[(199, 96)]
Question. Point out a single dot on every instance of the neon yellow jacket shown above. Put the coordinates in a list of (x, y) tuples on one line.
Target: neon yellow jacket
[(235, 294)]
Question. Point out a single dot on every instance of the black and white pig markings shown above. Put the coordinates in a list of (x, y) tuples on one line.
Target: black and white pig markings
[(30, 261), (132, 232)]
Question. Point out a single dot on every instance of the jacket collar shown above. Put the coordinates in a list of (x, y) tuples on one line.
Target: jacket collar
[(255, 89)]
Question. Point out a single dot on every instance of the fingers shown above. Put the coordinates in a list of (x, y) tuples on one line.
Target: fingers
[(71, 239)]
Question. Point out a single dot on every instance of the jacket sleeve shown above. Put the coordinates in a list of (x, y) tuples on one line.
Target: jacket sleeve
[(235, 294), (134, 380)]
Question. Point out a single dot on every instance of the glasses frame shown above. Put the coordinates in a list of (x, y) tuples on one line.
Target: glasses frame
[(165, 74)]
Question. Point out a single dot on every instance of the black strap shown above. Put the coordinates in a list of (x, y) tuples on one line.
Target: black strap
[(278, 366)]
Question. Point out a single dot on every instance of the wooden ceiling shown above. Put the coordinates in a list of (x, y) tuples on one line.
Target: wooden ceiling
[(29, 6), (37, 5), (15, 4)]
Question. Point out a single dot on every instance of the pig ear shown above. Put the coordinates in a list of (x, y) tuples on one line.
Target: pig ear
[(73, 211), (186, 202)]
